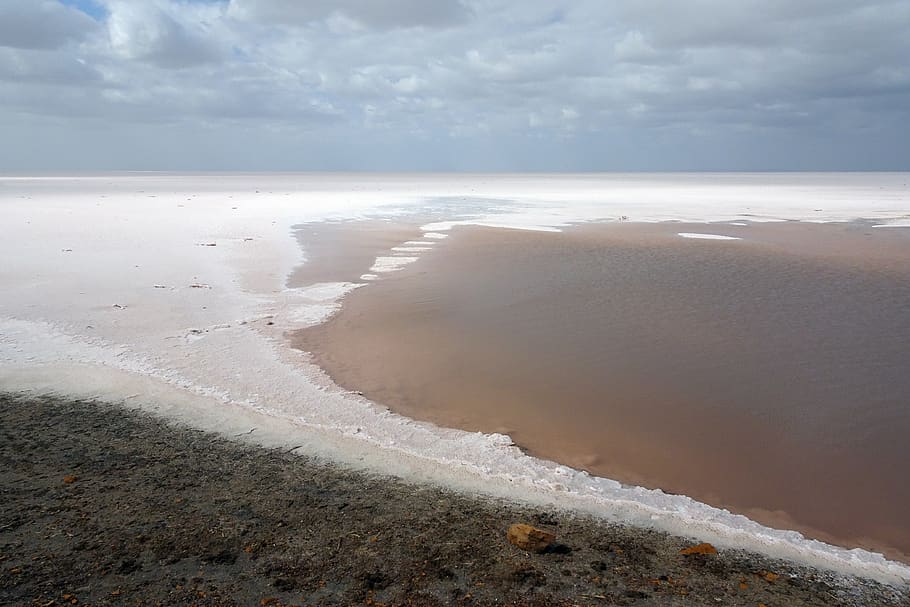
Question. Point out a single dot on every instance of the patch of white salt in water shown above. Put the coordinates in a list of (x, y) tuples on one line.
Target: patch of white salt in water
[(80, 315), (315, 304), (391, 264), (700, 236), (403, 249)]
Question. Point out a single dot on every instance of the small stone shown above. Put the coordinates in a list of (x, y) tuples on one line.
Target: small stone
[(703, 548), (69, 479), (530, 538)]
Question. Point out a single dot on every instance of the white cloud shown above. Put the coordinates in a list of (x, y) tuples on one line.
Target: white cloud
[(164, 33), (632, 83), (29, 66), (634, 48)]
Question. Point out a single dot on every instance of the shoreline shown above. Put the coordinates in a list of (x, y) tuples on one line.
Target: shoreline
[(108, 506), (364, 347), (83, 312)]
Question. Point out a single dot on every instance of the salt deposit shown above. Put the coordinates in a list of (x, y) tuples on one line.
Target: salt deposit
[(83, 312), (699, 236)]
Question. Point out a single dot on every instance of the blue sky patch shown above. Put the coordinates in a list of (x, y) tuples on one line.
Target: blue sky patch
[(89, 7)]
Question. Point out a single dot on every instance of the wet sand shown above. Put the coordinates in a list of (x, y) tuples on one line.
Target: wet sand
[(101, 505), (766, 375)]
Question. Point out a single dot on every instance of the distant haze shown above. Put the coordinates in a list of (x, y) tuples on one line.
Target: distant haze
[(445, 85)]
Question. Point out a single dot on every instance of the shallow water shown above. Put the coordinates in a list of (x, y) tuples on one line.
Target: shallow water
[(768, 375)]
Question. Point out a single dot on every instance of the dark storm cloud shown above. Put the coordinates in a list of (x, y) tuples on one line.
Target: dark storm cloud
[(480, 84)]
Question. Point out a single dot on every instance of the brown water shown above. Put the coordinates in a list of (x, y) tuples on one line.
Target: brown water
[(341, 251), (770, 376)]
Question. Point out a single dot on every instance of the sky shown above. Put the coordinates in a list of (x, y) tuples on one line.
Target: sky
[(449, 85)]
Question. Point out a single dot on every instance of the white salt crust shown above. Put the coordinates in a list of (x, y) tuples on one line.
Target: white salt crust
[(168, 292), (404, 249), (699, 236), (391, 264)]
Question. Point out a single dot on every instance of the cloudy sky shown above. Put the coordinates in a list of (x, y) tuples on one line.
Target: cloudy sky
[(454, 85)]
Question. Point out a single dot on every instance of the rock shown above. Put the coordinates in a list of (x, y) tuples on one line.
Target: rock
[(704, 548), (530, 538), (69, 479)]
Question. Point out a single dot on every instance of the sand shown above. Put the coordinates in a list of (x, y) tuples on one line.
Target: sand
[(106, 506)]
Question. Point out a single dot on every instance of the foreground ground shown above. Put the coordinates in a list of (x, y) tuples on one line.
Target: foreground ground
[(104, 506)]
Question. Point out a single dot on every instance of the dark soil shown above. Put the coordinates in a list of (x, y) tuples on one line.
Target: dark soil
[(100, 505)]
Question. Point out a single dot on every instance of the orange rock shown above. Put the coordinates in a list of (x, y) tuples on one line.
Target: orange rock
[(703, 548), (529, 538), (769, 576), (69, 479)]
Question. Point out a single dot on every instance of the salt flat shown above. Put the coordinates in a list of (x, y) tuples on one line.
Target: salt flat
[(170, 291)]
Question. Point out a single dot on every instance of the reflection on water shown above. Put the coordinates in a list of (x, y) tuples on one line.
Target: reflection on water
[(774, 383)]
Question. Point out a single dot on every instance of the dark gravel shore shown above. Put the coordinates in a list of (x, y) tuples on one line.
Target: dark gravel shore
[(100, 505)]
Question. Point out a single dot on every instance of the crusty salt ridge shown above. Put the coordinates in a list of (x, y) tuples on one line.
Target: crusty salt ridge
[(82, 312)]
